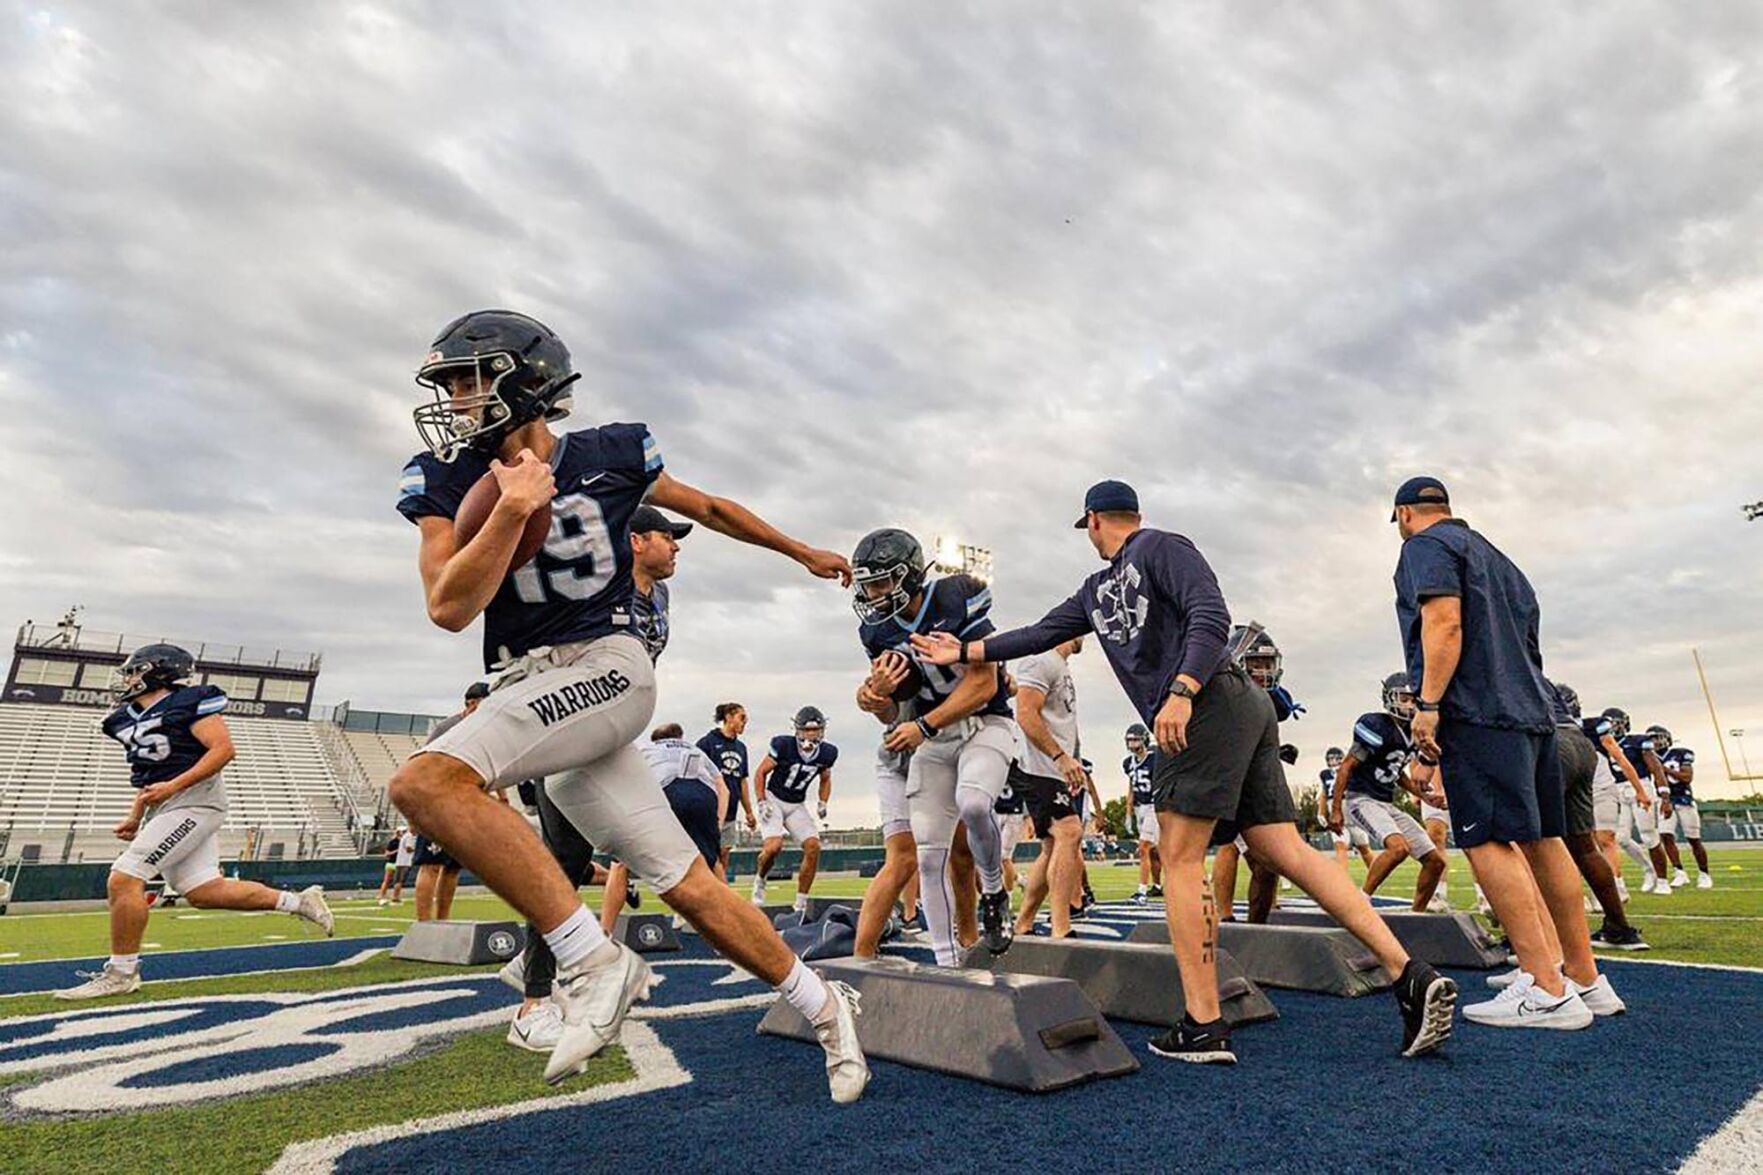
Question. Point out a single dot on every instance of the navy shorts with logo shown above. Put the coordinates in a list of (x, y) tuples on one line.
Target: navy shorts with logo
[(694, 805), (1504, 785), (430, 853)]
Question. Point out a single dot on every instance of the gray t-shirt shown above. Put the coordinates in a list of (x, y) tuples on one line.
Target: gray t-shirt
[(1050, 674)]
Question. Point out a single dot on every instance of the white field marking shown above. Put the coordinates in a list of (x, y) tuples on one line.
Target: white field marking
[(8, 954), (1650, 915), (359, 957), (380, 917), (150, 946), (1735, 1147), (236, 946), (189, 917), (656, 1068), (385, 929), (1633, 957), (706, 1007)]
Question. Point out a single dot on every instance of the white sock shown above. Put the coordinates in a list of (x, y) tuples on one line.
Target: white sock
[(807, 993), (575, 938), (129, 963), (801, 900), (287, 901)]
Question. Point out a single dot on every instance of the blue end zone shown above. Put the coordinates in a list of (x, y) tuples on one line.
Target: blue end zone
[(23, 978)]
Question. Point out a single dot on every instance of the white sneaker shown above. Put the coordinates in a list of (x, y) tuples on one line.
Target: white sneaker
[(513, 973), (539, 1030), (1622, 890), (1600, 997), (847, 1072), (1506, 979), (1704, 881), (594, 1002), (99, 984), (315, 910), (384, 902), (1679, 879), (1525, 1005), (1649, 882), (758, 893), (1661, 888)]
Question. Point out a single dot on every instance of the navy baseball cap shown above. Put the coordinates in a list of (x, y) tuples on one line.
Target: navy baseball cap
[(477, 689), (1105, 496), (1421, 491), (647, 519)]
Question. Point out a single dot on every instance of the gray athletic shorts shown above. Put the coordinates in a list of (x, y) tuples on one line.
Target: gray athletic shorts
[(1380, 819)]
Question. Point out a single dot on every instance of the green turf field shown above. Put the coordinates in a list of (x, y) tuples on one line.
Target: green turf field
[(1723, 925)]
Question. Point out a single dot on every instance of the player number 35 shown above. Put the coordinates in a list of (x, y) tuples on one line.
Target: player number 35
[(578, 534)]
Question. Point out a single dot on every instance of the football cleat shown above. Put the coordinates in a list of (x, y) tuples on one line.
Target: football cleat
[(1704, 881), (847, 1071), (1428, 1002), (995, 924), (539, 1030), (314, 909), (594, 1002), (1203, 1044), (100, 984)]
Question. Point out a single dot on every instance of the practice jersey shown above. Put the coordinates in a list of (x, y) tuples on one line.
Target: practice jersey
[(957, 604), (578, 586), (1139, 773), (1634, 749), (1381, 750), (160, 745), (1327, 778), (791, 774), (673, 759), (649, 619), (1681, 789), (730, 757)]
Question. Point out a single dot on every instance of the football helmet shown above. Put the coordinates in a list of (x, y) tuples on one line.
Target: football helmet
[(887, 570), (1661, 738), (1257, 653), (150, 667), (1569, 697), (810, 726), (1138, 739), (1334, 757), (1398, 696), (521, 373), (1618, 720)]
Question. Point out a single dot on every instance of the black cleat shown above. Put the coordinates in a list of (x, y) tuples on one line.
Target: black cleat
[(1622, 938), (1089, 898), (1080, 913), (996, 927), (632, 898), (1428, 1002), (1204, 1044), (1156, 891)]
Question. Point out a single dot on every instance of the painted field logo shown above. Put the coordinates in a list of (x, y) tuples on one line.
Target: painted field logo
[(147, 1055)]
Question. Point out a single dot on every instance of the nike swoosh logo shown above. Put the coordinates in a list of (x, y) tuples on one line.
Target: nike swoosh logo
[(588, 481), (1470, 827)]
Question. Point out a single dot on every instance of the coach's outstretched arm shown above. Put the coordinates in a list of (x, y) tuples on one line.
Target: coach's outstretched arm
[(1061, 624), (737, 522)]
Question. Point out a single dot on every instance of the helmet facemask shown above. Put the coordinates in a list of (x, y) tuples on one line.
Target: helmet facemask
[(1264, 667), (128, 681), (808, 740), (1398, 698), (476, 417), (878, 595)]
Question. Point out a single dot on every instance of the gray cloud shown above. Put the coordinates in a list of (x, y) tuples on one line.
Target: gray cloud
[(901, 264)]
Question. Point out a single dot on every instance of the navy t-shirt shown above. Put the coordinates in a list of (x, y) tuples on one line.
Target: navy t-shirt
[(649, 619), (730, 757), (1327, 778), (1157, 609), (1381, 750), (1499, 680), (579, 584), (792, 775), (1139, 774)]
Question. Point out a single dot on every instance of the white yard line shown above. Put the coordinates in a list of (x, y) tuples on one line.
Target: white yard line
[(1736, 1146)]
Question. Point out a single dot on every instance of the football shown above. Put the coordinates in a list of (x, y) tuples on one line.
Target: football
[(479, 500)]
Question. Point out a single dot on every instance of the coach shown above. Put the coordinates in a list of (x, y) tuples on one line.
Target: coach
[(1470, 631), (1163, 625)]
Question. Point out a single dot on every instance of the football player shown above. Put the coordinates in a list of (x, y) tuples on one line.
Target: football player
[(887, 694), (1139, 766), (793, 765), (574, 686), (1579, 768), (695, 792), (1365, 792), (1635, 822), (1614, 784), (1353, 838), (723, 744), (176, 743), (1679, 765), (1252, 648), (961, 736)]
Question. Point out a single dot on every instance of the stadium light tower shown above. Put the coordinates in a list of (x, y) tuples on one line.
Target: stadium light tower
[(951, 556), (1753, 511)]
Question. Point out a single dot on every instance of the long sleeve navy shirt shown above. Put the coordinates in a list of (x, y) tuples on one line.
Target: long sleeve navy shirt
[(1156, 608)]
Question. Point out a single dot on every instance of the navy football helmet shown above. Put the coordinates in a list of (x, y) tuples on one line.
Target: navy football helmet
[(1138, 739), (1661, 738), (1618, 720), (1257, 653), (810, 726), (1569, 697), (1398, 696), (1334, 757), (887, 570), (520, 373), (150, 667)]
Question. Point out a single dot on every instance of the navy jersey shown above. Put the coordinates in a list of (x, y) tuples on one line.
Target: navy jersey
[(1679, 757), (1381, 750), (958, 604), (792, 775), (578, 586), (730, 757), (1634, 749), (1327, 778), (1139, 773), (649, 618), (160, 745)]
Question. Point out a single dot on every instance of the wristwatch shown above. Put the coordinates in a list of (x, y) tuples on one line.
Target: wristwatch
[(1182, 689), (1426, 707)]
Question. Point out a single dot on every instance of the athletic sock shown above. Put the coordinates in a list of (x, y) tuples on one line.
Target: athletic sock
[(575, 938), (287, 901), (128, 963), (801, 901), (807, 994)]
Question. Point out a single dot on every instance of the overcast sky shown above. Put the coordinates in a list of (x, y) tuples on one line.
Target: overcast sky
[(928, 265)]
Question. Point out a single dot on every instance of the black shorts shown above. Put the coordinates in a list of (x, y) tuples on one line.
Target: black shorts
[(1230, 771), (430, 853), (1505, 785), (1048, 800), (694, 806), (1579, 762)]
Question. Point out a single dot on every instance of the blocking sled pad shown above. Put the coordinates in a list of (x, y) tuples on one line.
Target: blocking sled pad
[(462, 943), (1128, 980), (1023, 1032), (646, 934), (1444, 940), (1302, 958)]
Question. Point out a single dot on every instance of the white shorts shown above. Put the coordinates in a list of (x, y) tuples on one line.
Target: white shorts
[(1607, 792), (1351, 836), (1381, 819), (890, 794), (1634, 822), (1684, 821), (182, 846), (405, 861), (1429, 813), (1009, 831), (974, 753), (1146, 814), (777, 817)]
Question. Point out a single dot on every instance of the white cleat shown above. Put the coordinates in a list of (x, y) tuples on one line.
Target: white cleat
[(1679, 879), (539, 1030), (99, 984), (594, 1002), (1600, 997), (513, 973), (1439, 904), (314, 909), (1622, 890), (1704, 881), (758, 893), (1661, 888), (847, 1072), (1649, 882), (1591, 905), (1506, 979), (1525, 1005)]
